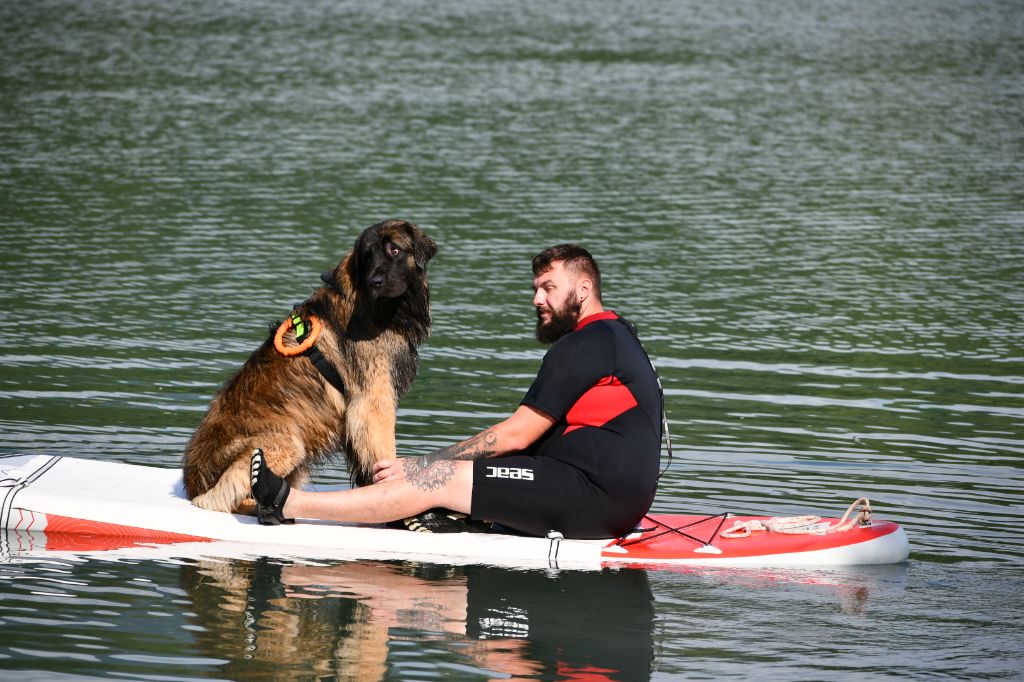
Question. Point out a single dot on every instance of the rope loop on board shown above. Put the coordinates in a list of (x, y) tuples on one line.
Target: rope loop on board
[(299, 325), (803, 525)]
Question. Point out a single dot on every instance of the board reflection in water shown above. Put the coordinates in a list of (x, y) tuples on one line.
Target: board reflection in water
[(371, 620)]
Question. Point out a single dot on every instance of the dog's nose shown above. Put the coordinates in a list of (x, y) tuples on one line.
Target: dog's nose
[(375, 281)]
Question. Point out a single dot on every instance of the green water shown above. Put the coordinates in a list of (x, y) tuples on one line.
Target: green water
[(814, 211)]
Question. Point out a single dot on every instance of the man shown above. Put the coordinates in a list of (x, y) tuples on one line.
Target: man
[(580, 455)]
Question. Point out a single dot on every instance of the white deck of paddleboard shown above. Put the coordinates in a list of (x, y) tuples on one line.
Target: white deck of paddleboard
[(153, 498)]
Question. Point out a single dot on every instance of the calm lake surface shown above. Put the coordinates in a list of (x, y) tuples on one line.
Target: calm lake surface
[(814, 212)]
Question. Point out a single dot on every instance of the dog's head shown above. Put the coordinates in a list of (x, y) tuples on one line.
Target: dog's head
[(390, 258)]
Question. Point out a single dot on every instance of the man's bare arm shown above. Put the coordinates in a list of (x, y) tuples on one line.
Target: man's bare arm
[(435, 469), (480, 446)]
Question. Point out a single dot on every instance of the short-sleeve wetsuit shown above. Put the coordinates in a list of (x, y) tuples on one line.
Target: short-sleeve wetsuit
[(593, 473)]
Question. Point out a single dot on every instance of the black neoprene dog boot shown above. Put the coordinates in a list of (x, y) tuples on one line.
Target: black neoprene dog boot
[(269, 490)]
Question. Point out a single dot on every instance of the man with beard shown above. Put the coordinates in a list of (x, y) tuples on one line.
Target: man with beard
[(579, 456)]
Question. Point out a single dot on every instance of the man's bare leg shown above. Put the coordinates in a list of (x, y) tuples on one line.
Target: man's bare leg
[(444, 483)]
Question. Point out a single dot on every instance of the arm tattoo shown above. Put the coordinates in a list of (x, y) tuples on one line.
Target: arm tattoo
[(433, 471), (430, 477), (480, 446)]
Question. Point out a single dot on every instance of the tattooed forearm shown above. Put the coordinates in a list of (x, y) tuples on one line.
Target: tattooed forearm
[(433, 471), (480, 446), (429, 477)]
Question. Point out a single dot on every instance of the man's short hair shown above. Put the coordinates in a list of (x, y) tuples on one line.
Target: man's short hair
[(576, 259)]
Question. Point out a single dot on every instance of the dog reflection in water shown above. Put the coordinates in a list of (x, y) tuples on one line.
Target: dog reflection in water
[(293, 621)]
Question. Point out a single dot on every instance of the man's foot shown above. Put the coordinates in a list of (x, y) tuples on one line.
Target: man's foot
[(270, 492), (444, 521)]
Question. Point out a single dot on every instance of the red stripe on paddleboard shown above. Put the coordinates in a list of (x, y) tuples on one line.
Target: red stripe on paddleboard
[(28, 520), (67, 533), (661, 543), (21, 525)]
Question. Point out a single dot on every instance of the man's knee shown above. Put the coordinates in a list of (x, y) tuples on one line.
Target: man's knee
[(457, 493)]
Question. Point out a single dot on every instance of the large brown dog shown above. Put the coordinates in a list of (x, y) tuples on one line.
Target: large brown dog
[(374, 310)]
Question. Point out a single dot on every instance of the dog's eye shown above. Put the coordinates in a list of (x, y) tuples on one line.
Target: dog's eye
[(392, 249)]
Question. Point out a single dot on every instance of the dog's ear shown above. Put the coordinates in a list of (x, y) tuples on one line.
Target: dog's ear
[(423, 247), (335, 277), (343, 277), (367, 243)]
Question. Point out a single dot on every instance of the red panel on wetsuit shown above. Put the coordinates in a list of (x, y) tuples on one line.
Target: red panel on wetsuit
[(603, 402)]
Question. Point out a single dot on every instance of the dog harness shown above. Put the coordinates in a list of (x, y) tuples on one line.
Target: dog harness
[(307, 331)]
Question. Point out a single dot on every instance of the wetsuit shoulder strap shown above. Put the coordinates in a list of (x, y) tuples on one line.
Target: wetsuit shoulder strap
[(630, 326)]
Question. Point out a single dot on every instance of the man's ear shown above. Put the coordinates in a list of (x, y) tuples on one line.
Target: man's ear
[(583, 288)]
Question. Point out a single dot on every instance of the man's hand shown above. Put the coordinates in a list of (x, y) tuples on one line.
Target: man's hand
[(388, 469), (407, 467)]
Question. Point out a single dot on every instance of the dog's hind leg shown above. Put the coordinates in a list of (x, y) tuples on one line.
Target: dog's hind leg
[(232, 492)]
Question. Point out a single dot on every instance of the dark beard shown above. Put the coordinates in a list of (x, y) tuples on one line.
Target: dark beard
[(562, 322)]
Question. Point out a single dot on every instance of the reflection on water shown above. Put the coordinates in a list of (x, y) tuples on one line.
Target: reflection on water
[(273, 619), (361, 620)]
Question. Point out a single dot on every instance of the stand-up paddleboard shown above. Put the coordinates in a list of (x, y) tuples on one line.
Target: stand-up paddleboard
[(91, 505)]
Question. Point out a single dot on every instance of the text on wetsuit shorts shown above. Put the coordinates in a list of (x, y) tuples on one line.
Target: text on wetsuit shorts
[(513, 473)]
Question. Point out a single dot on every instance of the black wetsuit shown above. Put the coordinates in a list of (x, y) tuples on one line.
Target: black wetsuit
[(593, 474)]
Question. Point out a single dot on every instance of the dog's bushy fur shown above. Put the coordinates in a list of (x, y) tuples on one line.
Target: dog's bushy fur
[(375, 309)]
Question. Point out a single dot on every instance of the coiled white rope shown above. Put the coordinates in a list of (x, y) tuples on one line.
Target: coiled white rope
[(803, 525)]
